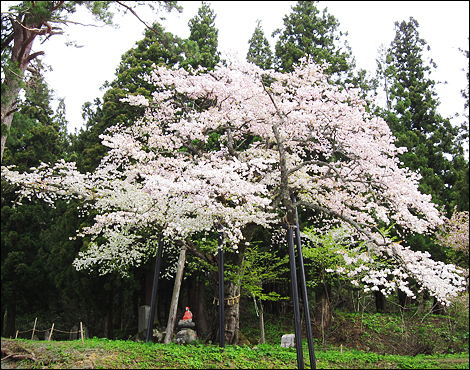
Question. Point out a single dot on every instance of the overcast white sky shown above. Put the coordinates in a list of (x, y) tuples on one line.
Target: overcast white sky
[(78, 73)]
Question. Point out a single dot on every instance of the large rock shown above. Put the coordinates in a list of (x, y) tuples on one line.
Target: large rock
[(185, 336)]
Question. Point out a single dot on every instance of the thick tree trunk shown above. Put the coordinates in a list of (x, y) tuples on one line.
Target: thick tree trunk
[(201, 316), (380, 302), (404, 301), (437, 308), (8, 107), (231, 290), (14, 73), (10, 327), (174, 299), (232, 313)]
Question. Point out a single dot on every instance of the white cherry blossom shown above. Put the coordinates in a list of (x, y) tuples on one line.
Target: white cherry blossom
[(277, 134)]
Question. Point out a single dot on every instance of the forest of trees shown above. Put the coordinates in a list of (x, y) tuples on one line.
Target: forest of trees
[(40, 275)]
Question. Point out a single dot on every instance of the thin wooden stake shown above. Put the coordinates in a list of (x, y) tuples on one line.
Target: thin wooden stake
[(34, 328), (50, 336), (81, 331), (16, 335)]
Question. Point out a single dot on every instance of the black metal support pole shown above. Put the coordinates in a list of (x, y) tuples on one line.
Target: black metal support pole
[(154, 289), (295, 298), (221, 289), (303, 289)]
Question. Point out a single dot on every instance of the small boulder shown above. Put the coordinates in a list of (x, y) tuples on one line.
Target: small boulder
[(185, 336)]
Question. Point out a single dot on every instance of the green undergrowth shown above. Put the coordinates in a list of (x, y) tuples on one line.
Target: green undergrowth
[(105, 354), (384, 333)]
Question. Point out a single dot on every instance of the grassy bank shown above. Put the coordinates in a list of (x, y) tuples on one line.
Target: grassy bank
[(106, 354)]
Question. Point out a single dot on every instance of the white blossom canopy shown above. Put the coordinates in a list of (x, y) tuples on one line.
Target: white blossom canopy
[(232, 146)]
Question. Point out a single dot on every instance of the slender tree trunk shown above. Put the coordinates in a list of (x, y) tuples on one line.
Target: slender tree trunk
[(174, 299), (322, 308), (261, 323), (109, 323), (3, 319)]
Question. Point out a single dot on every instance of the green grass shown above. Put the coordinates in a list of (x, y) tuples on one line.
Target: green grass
[(103, 354)]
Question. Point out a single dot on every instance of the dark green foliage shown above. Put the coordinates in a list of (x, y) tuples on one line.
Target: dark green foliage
[(413, 117), (307, 33), (34, 136), (433, 150), (203, 39), (259, 51), (26, 282)]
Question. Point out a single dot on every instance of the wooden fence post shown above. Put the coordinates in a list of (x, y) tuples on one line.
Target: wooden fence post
[(16, 335), (81, 331), (50, 336), (34, 328)]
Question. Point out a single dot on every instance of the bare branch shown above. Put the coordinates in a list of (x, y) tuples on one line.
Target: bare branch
[(34, 55), (135, 14), (8, 40)]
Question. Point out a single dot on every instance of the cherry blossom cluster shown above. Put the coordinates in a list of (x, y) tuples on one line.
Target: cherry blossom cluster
[(443, 281), (231, 146), (454, 233)]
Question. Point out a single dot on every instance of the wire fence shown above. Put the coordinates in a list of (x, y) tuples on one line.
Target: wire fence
[(50, 331)]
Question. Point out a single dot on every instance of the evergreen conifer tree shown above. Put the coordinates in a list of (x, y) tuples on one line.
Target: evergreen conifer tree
[(259, 51), (34, 137), (430, 139), (204, 35), (413, 117), (307, 33)]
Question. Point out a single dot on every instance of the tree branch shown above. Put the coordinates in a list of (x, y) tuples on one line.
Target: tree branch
[(135, 14), (347, 219), (34, 55)]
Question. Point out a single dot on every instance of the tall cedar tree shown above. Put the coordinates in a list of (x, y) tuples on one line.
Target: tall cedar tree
[(460, 196), (259, 51), (204, 34), (34, 138), (413, 118), (307, 33)]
